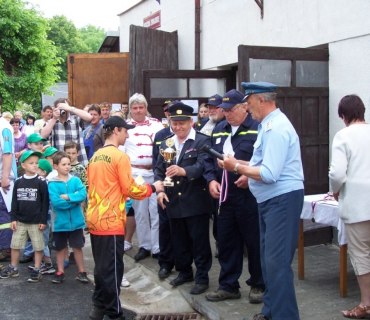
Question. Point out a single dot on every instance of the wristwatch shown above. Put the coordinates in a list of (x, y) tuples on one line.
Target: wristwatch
[(236, 167)]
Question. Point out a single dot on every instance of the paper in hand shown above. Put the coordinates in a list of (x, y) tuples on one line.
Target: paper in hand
[(139, 180)]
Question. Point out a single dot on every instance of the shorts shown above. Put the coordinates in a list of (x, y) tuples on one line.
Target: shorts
[(21, 234), (358, 236), (75, 239), (130, 212)]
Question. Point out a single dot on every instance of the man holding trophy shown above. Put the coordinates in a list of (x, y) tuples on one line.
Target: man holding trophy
[(181, 166)]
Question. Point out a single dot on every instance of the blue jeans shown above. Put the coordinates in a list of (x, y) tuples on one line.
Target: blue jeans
[(279, 226)]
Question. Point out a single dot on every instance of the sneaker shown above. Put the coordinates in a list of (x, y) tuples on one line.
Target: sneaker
[(82, 277), (125, 283), (47, 268), (31, 267), (9, 272), (128, 246), (35, 276), (256, 295), (58, 278)]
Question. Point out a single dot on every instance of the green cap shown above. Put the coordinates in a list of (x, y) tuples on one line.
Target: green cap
[(49, 151), (35, 137), (29, 153), (45, 165)]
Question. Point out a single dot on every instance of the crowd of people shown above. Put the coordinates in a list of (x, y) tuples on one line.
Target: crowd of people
[(114, 173)]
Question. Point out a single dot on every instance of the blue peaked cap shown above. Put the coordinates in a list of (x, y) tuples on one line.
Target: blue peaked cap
[(257, 87)]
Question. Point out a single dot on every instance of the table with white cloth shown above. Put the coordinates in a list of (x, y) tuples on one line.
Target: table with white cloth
[(323, 209)]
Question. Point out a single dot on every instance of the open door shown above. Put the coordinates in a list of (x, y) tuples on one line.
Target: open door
[(303, 95)]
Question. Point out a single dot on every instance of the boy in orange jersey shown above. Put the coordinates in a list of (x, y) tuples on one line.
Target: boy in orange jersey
[(110, 183)]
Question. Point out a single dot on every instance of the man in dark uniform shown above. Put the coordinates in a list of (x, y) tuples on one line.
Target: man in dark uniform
[(237, 221), (187, 201), (166, 259)]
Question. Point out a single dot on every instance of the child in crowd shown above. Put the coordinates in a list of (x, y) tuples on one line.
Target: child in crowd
[(35, 142), (77, 168), (44, 168), (48, 155), (66, 194), (30, 205)]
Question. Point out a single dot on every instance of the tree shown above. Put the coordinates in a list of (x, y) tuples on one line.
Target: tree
[(68, 39), (92, 37), (28, 61)]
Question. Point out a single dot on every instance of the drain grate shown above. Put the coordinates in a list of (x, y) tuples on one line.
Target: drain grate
[(170, 316)]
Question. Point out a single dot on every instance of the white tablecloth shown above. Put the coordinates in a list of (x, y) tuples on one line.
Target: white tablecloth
[(324, 212)]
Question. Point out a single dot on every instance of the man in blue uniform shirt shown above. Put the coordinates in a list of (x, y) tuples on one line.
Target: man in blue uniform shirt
[(237, 220), (275, 176)]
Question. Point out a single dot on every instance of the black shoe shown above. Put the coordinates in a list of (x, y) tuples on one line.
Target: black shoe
[(181, 279), (163, 273), (259, 316), (142, 254), (155, 255), (96, 313), (221, 295), (199, 288), (25, 259), (256, 295)]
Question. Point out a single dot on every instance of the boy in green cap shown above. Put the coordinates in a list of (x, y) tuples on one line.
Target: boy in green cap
[(30, 205)]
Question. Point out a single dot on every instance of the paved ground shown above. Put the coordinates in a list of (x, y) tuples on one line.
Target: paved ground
[(318, 294)]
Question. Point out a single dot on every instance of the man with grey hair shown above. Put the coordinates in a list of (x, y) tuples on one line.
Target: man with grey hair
[(139, 147)]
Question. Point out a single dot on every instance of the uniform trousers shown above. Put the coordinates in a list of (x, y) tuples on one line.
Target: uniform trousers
[(147, 219), (165, 257), (108, 257), (191, 243), (238, 226), (279, 226)]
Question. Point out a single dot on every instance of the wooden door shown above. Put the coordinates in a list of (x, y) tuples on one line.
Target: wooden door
[(303, 95)]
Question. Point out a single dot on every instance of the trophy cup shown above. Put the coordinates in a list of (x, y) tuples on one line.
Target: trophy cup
[(168, 154)]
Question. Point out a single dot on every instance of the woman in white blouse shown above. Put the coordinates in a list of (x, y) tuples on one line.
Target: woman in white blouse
[(350, 182)]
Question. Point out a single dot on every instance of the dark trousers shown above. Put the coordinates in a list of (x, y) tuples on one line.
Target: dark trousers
[(279, 220), (165, 258), (191, 243), (238, 226), (108, 257)]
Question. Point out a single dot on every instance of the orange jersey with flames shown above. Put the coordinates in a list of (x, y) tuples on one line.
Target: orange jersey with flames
[(110, 184)]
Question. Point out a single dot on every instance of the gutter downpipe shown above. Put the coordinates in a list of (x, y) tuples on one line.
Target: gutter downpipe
[(197, 35)]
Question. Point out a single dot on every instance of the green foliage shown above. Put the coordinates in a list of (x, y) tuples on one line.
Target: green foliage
[(68, 39), (28, 61), (92, 37)]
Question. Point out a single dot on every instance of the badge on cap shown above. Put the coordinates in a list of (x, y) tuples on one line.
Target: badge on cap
[(178, 111)]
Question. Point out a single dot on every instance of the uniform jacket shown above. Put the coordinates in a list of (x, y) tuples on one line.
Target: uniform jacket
[(242, 142), (189, 196), (159, 137), (68, 214)]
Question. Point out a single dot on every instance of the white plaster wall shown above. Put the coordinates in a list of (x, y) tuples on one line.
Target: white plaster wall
[(286, 23), (225, 24), (349, 73)]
